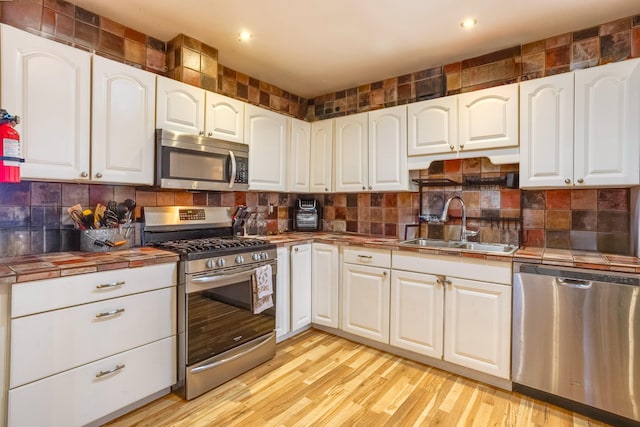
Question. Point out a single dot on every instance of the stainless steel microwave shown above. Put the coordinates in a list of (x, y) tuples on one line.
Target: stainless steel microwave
[(200, 163)]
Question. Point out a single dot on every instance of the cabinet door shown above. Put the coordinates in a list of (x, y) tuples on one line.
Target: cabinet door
[(416, 313), (388, 149), (224, 117), (607, 129), (266, 133), (180, 107), (299, 156), (123, 123), (300, 286), (433, 126), (488, 118), (365, 301), (351, 154), (477, 326), (320, 168), (4, 348), (325, 285), (546, 131), (48, 85), (283, 294)]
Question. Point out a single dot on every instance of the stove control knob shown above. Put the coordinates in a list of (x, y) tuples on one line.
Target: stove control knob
[(220, 262), (255, 257), (210, 263), (239, 259), (264, 256)]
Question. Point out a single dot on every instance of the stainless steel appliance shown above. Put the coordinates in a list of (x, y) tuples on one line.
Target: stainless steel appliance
[(307, 215), (220, 334), (576, 339), (200, 163)]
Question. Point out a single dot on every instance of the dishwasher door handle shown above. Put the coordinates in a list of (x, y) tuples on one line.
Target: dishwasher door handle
[(574, 283)]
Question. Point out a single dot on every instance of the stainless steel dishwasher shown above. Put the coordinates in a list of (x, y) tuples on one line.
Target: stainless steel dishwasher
[(576, 339)]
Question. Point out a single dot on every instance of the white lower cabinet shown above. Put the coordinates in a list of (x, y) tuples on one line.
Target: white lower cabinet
[(84, 394), (283, 294), (477, 326), (417, 301), (85, 346), (325, 285), (463, 320), (4, 349), (300, 286), (365, 293)]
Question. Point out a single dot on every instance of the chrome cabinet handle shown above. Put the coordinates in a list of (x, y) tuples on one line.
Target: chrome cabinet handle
[(384, 273), (210, 134), (84, 175), (363, 187), (109, 285), (365, 256), (580, 180), (98, 175), (461, 146), (451, 147), (201, 133), (447, 282), (326, 189), (110, 371), (110, 313), (567, 181)]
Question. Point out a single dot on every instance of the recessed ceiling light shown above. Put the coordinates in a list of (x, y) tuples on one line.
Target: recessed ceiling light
[(468, 23), (245, 36)]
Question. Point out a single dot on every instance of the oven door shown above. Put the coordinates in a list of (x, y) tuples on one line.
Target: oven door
[(198, 163), (219, 312)]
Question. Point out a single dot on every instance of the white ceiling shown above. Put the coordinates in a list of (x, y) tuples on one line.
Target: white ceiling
[(311, 48)]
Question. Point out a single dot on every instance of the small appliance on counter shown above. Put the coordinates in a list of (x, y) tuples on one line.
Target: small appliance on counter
[(307, 216)]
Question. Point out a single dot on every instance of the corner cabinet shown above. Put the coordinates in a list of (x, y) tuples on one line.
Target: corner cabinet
[(581, 128), (299, 156), (48, 85), (321, 160), (266, 133), (365, 293), (325, 285), (123, 123), (371, 151), (351, 153)]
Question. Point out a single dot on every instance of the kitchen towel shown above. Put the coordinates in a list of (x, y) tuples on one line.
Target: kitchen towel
[(262, 289)]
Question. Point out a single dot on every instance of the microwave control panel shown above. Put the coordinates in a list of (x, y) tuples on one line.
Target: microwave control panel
[(242, 170)]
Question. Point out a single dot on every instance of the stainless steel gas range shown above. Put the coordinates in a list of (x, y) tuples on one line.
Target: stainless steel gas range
[(222, 331)]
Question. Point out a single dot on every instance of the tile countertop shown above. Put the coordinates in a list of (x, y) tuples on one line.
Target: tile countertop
[(60, 264), (563, 257)]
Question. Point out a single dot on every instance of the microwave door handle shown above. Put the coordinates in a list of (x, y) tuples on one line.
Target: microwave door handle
[(233, 169)]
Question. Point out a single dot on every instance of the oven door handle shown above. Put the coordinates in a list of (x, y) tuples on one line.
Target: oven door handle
[(222, 276), (228, 359)]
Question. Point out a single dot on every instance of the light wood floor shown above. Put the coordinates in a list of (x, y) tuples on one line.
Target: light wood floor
[(317, 379)]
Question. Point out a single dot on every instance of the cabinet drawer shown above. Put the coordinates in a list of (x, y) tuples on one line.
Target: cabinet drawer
[(367, 256), (79, 396), (463, 267), (47, 343), (43, 295)]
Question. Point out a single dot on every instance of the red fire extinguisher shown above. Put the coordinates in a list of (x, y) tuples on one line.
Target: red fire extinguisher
[(10, 157)]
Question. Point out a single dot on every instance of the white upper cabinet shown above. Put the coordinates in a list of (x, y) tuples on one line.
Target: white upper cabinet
[(48, 85), (224, 117), (122, 133), (582, 128), (488, 118), (266, 134), (180, 107), (433, 126), (607, 124), (388, 149), (299, 156), (320, 168), (351, 159), (546, 131)]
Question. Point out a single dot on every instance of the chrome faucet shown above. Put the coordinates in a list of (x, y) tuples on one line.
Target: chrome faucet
[(464, 233)]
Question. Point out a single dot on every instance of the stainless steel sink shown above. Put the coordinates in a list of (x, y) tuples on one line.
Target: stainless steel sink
[(469, 246)]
